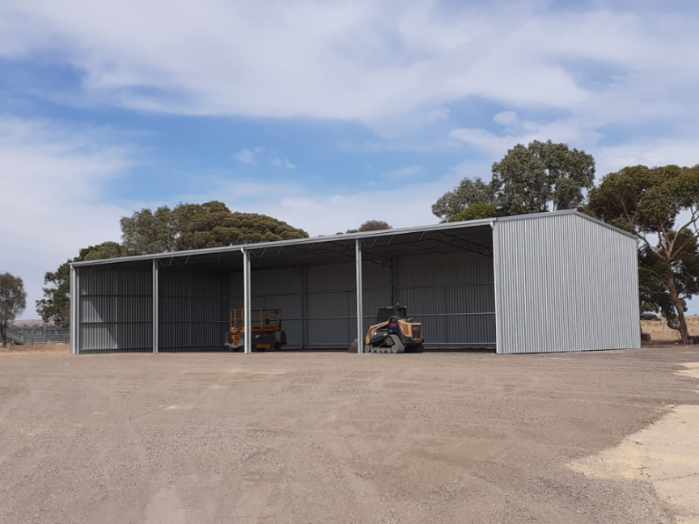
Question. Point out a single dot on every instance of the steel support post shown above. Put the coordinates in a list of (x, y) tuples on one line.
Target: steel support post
[(74, 317), (496, 294), (247, 303), (156, 305), (359, 297)]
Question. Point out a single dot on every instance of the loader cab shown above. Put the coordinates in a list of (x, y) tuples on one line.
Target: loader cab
[(384, 314)]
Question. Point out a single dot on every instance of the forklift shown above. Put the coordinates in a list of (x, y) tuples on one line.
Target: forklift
[(265, 325)]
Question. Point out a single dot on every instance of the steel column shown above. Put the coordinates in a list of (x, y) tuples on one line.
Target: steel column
[(247, 303), (156, 306), (74, 319), (496, 296), (359, 297)]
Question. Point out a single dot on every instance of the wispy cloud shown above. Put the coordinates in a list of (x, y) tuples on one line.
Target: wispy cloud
[(247, 156), (52, 195), (260, 155), (365, 60)]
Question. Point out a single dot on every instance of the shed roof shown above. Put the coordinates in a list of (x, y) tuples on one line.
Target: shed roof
[(339, 238)]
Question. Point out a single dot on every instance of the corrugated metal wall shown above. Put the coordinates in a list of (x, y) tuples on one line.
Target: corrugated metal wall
[(451, 294), (564, 283), (193, 310), (331, 310), (115, 309), (275, 289), (323, 316)]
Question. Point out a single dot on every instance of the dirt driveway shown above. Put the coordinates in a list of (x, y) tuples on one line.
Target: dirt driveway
[(331, 437)]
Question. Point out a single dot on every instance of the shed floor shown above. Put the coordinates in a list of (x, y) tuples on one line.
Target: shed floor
[(328, 437)]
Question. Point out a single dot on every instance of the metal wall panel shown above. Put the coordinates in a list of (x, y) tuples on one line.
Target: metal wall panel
[(452, 295), (377, 291), (331, 305), (193, 310), (115, 310), (275, 289), (326, 311), (564, 283)]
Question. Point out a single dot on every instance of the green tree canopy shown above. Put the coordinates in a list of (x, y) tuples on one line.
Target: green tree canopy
[(539, 177), (374, 225), (13, 300), (471, 199), (195, 226), (371, 225), (661, 207), (655, 272)]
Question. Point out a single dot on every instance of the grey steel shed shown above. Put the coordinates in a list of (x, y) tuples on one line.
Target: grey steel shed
[(549, 282)]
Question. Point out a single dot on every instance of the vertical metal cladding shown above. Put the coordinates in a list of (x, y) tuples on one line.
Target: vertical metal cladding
[(331, 306), (74, 301), (564, 283), (114, 310), (452, 295), (317, 301), (275, 289), (193, 310)]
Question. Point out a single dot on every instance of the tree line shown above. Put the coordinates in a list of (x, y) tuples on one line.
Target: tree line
[(658, 205)]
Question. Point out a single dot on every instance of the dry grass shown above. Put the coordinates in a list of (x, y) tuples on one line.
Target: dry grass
[(659, 332)]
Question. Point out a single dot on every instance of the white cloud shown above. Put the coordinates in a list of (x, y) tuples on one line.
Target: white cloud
[(483, 140), (573, 131), (506, 118), (367, 61), (254, 156), (396, 67), (654, 152), (52, 181), (247, 157)]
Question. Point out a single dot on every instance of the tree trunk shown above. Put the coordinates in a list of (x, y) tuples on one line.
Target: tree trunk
[(679, 308), (3, 334)]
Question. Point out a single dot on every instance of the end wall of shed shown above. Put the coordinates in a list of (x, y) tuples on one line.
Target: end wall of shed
[(564, 283)]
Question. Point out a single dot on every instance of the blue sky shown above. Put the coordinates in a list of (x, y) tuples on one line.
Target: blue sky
[(318, 113)]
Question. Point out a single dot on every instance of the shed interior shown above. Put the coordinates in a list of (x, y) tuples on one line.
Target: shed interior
[(444, 277)]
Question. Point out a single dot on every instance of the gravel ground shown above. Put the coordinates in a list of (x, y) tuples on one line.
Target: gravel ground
[(328, 437)]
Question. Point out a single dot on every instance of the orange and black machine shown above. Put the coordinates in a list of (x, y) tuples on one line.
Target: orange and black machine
[(265, 325)]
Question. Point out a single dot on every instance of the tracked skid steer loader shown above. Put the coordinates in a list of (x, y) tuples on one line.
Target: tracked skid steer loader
[(394, 332)]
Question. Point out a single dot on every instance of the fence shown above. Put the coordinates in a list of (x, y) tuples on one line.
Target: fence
[(38, 335)]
